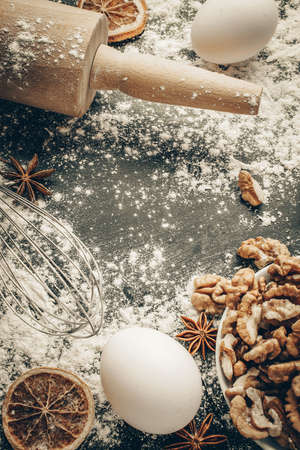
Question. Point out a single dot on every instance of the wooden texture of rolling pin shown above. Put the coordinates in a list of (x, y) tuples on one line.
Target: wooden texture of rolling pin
[(55, 57)]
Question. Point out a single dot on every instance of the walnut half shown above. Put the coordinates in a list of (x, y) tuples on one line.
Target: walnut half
[(263, 250), (251, 191)]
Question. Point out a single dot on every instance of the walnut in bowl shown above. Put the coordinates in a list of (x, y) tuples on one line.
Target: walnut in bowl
[(258, 355)]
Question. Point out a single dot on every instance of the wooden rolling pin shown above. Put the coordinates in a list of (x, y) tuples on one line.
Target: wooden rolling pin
[(53, 56)]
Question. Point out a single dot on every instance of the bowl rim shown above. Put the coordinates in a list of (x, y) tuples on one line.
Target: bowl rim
[(268, 443)]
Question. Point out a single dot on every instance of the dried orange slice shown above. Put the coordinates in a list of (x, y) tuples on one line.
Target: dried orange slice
[(47, 408), (126, 18)]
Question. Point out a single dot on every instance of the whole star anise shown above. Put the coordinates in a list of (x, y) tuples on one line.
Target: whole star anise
[(26, 178), (199, 334), (196, 439)]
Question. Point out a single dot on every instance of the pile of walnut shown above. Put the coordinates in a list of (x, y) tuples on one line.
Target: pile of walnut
[(260, 352), (260, 346), (210, 289)]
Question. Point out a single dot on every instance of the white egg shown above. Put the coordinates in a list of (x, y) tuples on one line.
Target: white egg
[(151, 380), (230, 31)]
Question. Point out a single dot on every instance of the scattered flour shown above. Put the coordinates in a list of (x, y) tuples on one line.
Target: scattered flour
[(201, 154)]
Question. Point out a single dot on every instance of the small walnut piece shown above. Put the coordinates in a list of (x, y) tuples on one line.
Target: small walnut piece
[(296, 327), (227, 355), (240, 349), (249, 317), (293, 345), (243, 382), (267, 349), (257, 412), (251, 191), (286, 290), (242, 282), (258, 418), (280, 335), (296, 385), (233, 298), (203, 302), (244, 279), (279, 310), (209, 295), (287, 439), (292, 408), (263, 250), (284, 265), (275, 429), (229, 321), (219, 295), (239, 369), (281, 372), (240, 416)]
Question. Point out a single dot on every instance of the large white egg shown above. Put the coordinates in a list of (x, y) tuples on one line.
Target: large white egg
[(229, 31), (151, 380)]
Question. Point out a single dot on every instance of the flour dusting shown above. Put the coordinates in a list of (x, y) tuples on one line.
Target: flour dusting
[(152, 191)]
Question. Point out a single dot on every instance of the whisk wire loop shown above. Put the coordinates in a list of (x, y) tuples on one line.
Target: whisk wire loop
[(48, 277)]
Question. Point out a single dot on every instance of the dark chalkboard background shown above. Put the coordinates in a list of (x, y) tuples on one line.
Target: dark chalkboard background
[(204, 226)]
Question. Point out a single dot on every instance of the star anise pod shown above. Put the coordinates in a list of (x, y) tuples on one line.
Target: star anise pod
[(26, 178), (199, 334), (196, 439)]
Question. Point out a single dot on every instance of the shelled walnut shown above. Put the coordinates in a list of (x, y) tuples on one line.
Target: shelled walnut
[(285, 268), (296, 385), (209, 294), (262, 360), (263, 250), (260, 347), (251, 191), (292, 408)]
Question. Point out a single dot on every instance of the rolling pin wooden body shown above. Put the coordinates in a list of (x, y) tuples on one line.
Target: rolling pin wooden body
[(46, 54), (53, 56)]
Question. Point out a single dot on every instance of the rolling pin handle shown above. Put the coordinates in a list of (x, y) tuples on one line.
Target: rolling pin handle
[(158, 80)]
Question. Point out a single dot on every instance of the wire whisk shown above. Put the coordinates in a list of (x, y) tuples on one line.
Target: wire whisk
[(48, 277)]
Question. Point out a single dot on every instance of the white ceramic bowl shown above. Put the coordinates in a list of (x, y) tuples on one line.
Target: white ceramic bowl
[(266, 444)]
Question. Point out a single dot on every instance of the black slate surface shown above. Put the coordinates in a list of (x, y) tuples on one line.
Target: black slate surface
[(204, 226)]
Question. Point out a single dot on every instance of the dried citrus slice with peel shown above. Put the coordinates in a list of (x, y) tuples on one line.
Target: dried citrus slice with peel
[(47, 408), (126, 18)]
